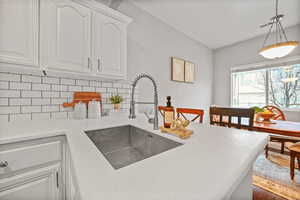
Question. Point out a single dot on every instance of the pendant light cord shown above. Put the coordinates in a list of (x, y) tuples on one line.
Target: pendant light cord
[(276, 8), (279, 30)]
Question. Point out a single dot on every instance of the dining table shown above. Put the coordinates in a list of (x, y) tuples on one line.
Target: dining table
[(279, 127)]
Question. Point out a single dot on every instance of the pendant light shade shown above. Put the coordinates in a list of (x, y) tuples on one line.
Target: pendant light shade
[(282, 46), (278, 50)]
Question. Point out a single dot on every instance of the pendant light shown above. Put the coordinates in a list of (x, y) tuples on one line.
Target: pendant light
[(282, 46)]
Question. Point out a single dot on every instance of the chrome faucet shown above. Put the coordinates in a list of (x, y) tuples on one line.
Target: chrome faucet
[(133, 102)]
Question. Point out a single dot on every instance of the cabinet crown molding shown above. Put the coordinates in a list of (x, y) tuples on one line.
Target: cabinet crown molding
[(97, 6)]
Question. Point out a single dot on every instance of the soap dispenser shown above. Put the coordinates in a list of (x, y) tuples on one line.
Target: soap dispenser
[(169, 113)]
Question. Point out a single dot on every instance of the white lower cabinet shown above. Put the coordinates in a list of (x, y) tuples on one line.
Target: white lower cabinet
[(72, 191), (40, 184), (33, 170)]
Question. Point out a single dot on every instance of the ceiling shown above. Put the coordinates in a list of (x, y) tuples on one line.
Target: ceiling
[(218, 23)]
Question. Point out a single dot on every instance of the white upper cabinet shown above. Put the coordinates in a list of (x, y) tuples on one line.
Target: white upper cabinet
[(19, 25), (66, 36), (81, 37), (109, 46)]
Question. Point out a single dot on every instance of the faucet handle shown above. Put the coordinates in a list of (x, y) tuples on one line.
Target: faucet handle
[(150, 120)]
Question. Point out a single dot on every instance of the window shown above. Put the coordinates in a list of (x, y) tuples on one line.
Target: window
[(279, 86)]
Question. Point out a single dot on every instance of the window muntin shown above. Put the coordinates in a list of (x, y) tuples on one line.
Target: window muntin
[(279, 86)]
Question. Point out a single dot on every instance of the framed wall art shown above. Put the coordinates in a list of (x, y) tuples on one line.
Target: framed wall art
[(177, 66), (189, 72)]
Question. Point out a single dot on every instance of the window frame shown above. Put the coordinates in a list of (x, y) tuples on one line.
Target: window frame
[(263, 65)]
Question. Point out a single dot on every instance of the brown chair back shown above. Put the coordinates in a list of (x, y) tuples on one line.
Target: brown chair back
[(225, 117), (279, 115), (198, 112)]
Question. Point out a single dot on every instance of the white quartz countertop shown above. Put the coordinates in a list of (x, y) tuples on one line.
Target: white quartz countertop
[(208, 166)]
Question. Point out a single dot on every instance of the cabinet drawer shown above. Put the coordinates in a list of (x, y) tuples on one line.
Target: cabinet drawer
[(30, 156)]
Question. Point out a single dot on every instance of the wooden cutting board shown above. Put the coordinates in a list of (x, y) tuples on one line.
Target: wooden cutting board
[(181, 133), (84, 97)]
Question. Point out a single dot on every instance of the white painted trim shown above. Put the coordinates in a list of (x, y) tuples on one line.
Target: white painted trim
[(260, 65), (269, 63), (14, 68), (97, 6)]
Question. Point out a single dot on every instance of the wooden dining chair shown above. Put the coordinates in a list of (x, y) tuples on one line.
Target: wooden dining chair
[(279, 115), (232, 117), (294, 154), (198, 112)]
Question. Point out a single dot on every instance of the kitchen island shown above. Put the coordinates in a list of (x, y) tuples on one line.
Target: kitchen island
[(214, 164)]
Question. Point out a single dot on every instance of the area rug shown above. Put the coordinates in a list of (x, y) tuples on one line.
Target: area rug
[(273, 175)]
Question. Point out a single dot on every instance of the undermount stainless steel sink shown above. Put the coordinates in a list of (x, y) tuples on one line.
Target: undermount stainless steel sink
[(126, 145)]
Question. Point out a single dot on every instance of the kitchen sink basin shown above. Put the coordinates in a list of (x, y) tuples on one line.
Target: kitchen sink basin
[(126, 145)]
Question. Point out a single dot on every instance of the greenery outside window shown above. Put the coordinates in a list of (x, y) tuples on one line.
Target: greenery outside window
[(276, 85)]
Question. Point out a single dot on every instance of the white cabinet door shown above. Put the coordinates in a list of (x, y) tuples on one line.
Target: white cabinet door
[(40, 184), (109, 46), (19, 34), (65, 36), (72, 191)]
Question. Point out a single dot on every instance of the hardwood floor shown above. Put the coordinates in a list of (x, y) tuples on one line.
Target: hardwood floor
[(260, 194)]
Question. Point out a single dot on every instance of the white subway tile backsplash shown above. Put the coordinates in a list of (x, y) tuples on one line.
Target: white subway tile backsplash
[(3, 85), (31, 79), (59, 115), (112, 90), (19, 101), (95, 83), (121, 90), (9, 109), (82, 82), (101, 90), (3, 101), (19, 86), (51, 108), (65, 81), (9, 77), (19, 117), (58, 101), (9, 93), (127, 86), (105, 95), (51, 80), (128, 96), (31, 109), (107, 106), (32, 94), (59, 88), (66, 94), (41, 116), (88, 89), (50, 94), (117, 85), (30, 97), (40, 101), (107, 84), (65, 109), (38, 86), (74, 88)]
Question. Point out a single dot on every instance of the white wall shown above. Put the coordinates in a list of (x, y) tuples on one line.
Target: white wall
[(151, 43), (242, 53)]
